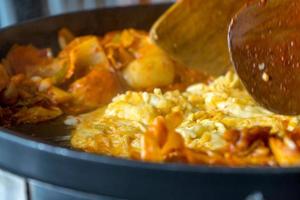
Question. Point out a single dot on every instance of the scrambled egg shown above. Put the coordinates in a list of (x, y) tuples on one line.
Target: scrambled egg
[(208, 111)]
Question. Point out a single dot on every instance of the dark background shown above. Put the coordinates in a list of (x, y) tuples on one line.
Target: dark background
[(13, 11)]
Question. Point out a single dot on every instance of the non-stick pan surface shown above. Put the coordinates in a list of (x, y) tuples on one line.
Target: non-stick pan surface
[(32, 152)]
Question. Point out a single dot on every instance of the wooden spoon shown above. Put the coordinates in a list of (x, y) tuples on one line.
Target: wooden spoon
[(264, 40), (194, 32)]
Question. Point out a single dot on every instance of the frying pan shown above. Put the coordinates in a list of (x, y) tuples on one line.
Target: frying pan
[(40, 152)]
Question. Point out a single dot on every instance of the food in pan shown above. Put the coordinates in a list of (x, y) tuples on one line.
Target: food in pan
[(215, 123), (125, 97), (86, 74)]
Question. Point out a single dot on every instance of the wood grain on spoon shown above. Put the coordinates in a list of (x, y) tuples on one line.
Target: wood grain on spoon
[(194, 32), (264, 40)]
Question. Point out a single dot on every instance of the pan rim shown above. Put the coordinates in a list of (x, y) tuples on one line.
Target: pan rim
[(69, 13), (42, 146)]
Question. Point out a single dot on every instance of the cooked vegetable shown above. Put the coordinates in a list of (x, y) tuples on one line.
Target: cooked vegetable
[(37, 114), (29, 60), (287, 149), (285, 155), (59, 96), (11, 93), (33, 62), (88, 72), (4, 77), (152, 69), (97, 88), (65, 36), (83, 54), (122, 47)]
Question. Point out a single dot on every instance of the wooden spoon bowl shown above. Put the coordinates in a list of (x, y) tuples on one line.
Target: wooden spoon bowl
[(264, 41)]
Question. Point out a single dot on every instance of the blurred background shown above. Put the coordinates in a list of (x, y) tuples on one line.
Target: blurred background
[(13, 11)]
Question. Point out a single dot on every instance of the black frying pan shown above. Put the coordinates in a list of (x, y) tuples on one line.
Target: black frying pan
[(30, 152)]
